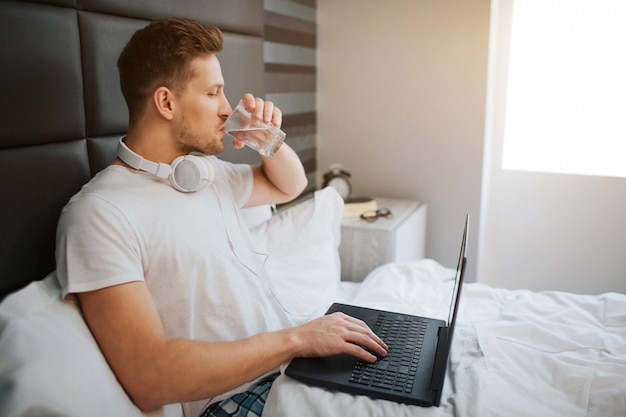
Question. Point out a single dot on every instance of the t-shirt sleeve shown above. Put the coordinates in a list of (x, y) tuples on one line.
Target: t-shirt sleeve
[(96, 247)]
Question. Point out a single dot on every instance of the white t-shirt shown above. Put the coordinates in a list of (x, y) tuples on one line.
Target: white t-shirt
[(193, 251)]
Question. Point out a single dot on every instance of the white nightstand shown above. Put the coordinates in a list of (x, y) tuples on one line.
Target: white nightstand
[(364, 245)]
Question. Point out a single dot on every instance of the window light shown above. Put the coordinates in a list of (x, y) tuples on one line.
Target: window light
[(566, 91)]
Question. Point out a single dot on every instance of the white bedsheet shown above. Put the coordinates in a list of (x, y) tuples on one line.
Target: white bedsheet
[(515, 353)]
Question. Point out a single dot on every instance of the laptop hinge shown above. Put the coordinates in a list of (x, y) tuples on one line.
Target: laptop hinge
[(441, 359)]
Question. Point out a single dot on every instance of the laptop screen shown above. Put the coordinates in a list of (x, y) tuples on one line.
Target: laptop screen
[(460, 269)]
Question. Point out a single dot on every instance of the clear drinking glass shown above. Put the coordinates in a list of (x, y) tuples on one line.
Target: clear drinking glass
[(265, 138)]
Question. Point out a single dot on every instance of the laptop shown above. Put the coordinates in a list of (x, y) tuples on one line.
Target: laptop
[(414, 369)]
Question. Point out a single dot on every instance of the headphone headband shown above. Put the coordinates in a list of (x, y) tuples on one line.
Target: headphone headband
[(187, 173)]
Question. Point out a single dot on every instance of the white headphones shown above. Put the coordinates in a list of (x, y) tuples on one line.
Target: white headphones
[(188, 173)]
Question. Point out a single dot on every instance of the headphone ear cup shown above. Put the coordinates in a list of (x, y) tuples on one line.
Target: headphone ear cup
[(191, 173)]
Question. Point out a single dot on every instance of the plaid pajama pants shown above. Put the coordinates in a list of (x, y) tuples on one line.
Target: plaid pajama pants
[(246, 404)]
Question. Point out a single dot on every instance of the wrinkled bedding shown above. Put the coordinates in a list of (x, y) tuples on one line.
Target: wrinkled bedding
[(514, 353)]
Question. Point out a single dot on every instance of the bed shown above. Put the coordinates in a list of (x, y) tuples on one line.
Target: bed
[(515, 352)]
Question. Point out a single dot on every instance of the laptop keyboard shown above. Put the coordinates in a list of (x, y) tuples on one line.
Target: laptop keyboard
[(404, 335)]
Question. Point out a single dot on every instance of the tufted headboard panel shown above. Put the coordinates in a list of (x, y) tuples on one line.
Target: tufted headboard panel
[(62, 110)]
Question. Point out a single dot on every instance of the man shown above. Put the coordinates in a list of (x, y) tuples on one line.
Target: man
[(168, 281)]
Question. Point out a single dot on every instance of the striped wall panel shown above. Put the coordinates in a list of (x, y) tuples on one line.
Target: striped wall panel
[(290, 43)]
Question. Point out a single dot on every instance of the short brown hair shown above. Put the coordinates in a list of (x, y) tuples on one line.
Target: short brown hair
[(159, 55)]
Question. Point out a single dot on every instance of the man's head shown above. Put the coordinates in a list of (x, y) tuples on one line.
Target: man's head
[(160, 54)]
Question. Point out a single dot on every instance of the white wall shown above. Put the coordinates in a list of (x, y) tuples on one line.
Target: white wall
[(545, 231), (401, 104)]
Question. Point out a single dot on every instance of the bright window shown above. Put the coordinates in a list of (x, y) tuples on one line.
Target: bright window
[(566, 92)]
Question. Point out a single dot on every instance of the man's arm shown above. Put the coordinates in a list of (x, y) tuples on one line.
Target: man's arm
[(278, 179), (155, 370)]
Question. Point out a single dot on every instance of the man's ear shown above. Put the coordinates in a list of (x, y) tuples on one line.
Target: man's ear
[(164, 102)]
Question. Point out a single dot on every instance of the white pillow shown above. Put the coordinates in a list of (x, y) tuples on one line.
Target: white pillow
[(303, 247), (51, 364)]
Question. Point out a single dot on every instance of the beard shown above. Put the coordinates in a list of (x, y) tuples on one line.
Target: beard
[(192, 142)]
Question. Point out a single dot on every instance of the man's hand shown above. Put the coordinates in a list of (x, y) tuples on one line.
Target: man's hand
[(262, 110), (339, 333)]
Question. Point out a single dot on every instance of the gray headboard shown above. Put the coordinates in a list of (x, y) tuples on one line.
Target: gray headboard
[(62, 111)]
